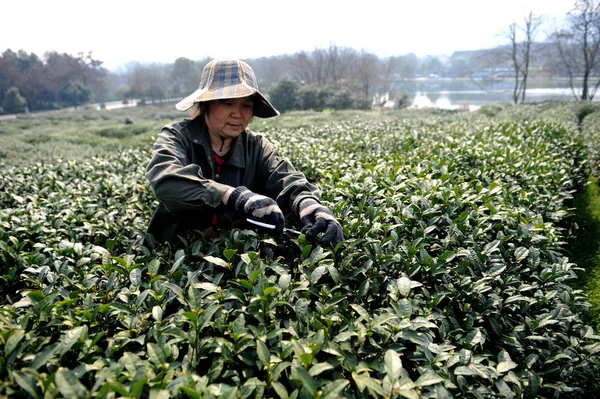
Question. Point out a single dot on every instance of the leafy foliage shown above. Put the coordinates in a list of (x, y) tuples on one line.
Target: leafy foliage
[(290, 95), (453, 280), (13, 101), (46, 81), (74, 94)]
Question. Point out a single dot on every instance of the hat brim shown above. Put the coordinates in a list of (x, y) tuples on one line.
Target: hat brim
[(262, 107)]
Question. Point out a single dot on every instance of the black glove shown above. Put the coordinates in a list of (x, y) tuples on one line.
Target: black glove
[(257, 207), (316, 219)]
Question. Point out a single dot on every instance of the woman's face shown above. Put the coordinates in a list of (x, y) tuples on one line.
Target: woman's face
[(228, 118)]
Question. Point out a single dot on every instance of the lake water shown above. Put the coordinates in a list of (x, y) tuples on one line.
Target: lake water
[(467, 94), (474, 99)]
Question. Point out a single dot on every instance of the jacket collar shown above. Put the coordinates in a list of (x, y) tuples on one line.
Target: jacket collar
[(198, 132)]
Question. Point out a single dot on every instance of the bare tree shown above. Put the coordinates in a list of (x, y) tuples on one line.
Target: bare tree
[(339, 60), (366, 72), (309, 68), (388, 73), (521, 53), (322, 66), (578, 47)]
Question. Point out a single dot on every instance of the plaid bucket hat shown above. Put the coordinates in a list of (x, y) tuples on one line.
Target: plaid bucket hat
[(223, 79)]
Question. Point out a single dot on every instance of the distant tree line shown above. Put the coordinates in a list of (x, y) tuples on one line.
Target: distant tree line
[(28, 82), (334, 77)]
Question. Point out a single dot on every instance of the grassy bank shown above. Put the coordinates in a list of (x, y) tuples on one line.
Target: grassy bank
[(584, 247)]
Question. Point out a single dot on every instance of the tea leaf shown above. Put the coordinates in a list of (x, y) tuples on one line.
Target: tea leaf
[(155, 354), (393, 365), (157, 313), (153, 266), (135, 276), (334, 389), (193, 317), (319, 368), (29, 383), (207, 315), (505, 363), (70, 338), (306, 380), (521, 253), (404, 307), (504, 389), (13, 341), (361, 312), (175, 289), (284, 281), (317, 273), (301, 309), (464, 370), (363, 381), (429, 378), (415, 337), (491, 247), (280, 389), (69, 385), (229, 253), (404, 286), (210, 287), (216, 261), (194, 298), (44, 357), (263, 353)]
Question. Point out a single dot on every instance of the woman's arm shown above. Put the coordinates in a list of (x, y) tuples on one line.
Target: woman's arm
[(226, 195), (283, 182), (179, 184)]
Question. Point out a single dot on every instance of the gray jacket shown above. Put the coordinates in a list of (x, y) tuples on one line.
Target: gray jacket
[(183, 177)]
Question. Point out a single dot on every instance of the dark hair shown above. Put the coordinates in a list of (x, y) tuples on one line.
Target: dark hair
[(201, 109)]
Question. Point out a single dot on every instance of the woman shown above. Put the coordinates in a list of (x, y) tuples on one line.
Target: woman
[(212, 170)]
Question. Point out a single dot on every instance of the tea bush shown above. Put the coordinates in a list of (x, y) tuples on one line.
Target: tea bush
[(453, 280), (79, 135), (124, 131), (591, 134)]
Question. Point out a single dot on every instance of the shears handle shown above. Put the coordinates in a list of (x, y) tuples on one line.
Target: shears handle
[(272, 227)]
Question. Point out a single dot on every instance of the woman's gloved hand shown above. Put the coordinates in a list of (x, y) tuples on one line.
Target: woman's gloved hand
[(316, 219), (257, 207)]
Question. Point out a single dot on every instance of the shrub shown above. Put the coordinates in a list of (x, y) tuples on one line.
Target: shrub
[(584, 109), (13, 102), (452, 282), (284, 95), (121, 132), (75, 94)]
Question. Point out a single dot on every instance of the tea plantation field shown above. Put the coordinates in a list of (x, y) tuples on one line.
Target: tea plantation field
[(455, 280)]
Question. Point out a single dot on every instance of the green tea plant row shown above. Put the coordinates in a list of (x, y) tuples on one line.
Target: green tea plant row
[(452, 282)]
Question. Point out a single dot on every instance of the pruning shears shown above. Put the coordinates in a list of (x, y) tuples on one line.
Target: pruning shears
[(272, 227)]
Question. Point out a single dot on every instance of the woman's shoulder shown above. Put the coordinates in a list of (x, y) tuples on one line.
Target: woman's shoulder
[(259, 142), (178, 127)]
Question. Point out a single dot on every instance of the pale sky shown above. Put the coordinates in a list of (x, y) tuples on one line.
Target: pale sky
[(118, 31)]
